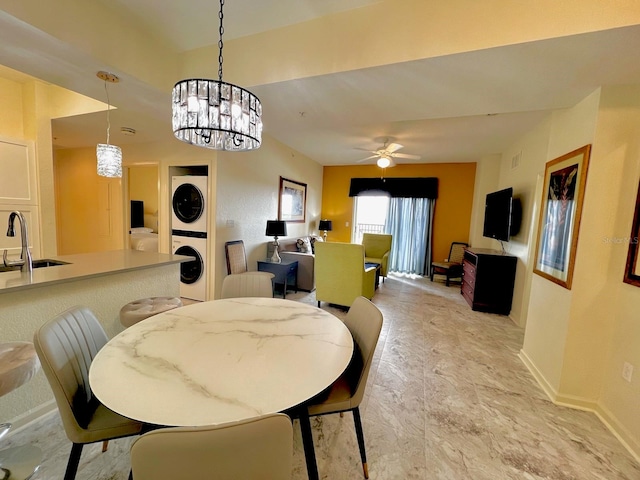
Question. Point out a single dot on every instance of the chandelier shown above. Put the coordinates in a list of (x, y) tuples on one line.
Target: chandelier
[(216, 114), (109, 156)]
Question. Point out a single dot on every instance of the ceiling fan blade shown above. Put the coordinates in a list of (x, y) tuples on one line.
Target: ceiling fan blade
[(365, 150), (406, 155), (368, 158), (392, 147)]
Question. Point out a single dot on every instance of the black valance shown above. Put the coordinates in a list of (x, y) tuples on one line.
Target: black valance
[(415, 187)]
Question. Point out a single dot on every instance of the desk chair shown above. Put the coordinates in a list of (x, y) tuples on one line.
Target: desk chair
[(66, 346), (452, 266), (248, 284), (257, 448), (364, 321)]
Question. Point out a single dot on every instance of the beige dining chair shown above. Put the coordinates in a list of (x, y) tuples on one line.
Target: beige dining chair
[(259, 448), (364, 321), (236, 257), (66, 346), (248, 284)]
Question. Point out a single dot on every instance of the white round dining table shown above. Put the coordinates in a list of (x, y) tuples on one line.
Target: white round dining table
[(221, 361)]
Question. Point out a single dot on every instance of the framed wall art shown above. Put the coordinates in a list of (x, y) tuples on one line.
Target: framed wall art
[(560, 211), (632, 270), (292, 203)]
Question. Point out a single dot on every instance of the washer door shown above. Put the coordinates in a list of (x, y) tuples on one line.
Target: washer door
[(190, 272), (188, 203)]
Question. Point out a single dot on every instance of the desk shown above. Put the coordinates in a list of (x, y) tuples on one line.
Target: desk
[(221, 361), (285, 273)]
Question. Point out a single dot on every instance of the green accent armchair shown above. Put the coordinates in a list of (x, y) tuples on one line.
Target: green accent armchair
[(377, 247), (340, 273)]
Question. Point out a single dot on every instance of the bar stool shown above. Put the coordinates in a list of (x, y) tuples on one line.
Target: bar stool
[(18, 364), (138, 310)]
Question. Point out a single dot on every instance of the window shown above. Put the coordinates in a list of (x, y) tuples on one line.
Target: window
[(369, 216)]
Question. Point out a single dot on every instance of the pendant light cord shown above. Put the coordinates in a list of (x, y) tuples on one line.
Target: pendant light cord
[(220, 44), (108, 109)]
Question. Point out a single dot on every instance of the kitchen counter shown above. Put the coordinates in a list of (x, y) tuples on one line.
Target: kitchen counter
[(104, 282), (86, 265)]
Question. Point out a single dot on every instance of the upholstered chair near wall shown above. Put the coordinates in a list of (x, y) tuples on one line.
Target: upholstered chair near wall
[(341, 276), (377, 247)]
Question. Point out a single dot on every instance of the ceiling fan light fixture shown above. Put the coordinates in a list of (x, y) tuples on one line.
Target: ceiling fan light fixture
[(216, 114), (383, 162)]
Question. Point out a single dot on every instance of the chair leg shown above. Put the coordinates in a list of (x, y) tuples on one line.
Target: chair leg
[(318, 303), (74, 461), (360, 435), (307, 443)]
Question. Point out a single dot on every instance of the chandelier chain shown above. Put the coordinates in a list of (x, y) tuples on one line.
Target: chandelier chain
[(220, 43)]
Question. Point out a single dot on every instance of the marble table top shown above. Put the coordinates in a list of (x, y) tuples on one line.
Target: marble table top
[(221, 361), (18, 364)]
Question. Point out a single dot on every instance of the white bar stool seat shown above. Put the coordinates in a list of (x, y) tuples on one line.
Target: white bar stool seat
[(138, 310), (18, 364)]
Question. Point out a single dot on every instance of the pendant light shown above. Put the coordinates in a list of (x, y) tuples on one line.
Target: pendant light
[(109, 156), (216, 114)]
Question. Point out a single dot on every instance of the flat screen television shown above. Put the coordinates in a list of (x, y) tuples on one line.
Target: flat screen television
[(137, 213), (502, 215)]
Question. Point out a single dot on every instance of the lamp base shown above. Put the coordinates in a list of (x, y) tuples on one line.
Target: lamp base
[(275, 258)]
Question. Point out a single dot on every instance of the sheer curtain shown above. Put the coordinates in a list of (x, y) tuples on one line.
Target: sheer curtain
[(410, 221)]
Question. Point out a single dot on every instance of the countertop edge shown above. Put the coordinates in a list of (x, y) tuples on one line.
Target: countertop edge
[(86, 265)]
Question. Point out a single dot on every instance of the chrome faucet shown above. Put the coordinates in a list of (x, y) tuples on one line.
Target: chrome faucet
[(25, 262)]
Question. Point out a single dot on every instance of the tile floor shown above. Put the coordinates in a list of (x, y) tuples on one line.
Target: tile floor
[(447, 398)]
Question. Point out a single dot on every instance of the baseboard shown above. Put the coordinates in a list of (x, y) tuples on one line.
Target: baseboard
[(26, 419), (579, 403), (619, 431), (551, 392)]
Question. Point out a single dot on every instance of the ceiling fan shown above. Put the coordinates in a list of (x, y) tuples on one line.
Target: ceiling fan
[(386, 154)]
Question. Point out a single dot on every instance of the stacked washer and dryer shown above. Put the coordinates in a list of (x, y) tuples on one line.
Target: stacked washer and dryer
[(189, 232)]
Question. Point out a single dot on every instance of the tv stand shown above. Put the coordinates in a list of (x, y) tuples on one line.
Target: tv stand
[(488, 277)]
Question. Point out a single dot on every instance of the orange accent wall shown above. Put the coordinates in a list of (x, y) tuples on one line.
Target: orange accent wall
[(452, 218)]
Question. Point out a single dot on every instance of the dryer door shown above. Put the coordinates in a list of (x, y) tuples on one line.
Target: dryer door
[(190, 272), (188, 203)]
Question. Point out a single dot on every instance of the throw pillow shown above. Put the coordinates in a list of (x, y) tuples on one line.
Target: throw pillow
[(313, 240), (304, 246)]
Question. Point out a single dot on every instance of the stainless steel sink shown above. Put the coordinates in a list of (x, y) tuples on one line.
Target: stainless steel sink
[(47, 262), (42, 263)]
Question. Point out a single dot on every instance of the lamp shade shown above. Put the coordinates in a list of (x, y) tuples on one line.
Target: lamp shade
[(325, 225), (276, 228)]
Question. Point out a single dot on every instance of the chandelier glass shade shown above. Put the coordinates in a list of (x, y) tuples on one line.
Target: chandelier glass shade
[(215, 114)]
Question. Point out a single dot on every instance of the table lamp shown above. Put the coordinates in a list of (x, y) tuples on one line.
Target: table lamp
[(326, 226), (275, 229)]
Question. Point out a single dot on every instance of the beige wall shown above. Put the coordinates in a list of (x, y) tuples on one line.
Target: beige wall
[(577, 340), (89, 207), (247, 196)]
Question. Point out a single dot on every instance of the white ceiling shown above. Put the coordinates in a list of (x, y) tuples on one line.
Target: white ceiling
[(454, 108)]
